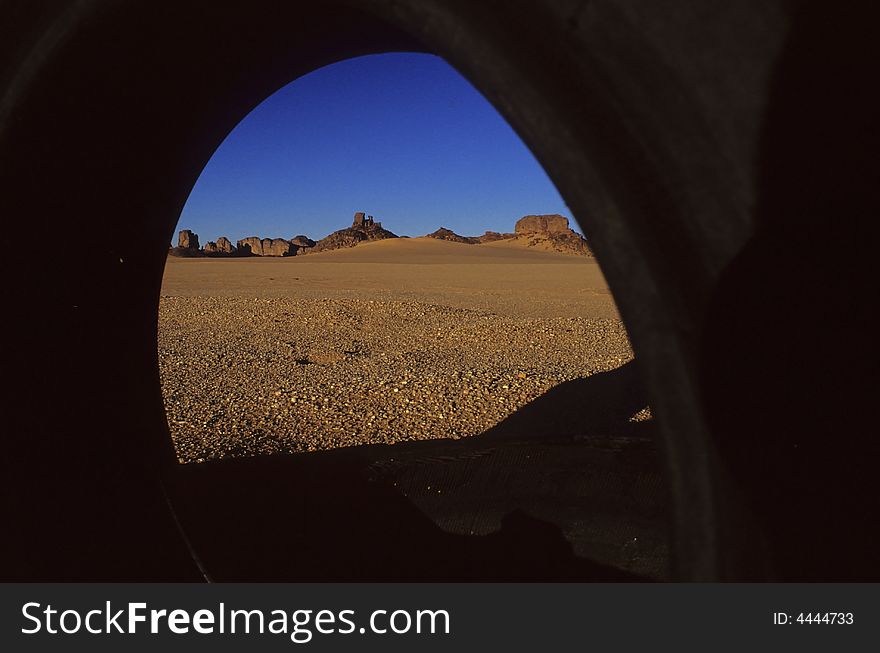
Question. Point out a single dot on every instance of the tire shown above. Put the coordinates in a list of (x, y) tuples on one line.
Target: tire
[(651, 118)]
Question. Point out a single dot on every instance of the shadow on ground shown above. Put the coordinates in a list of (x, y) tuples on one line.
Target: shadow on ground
[(566, 489), (601, 404)]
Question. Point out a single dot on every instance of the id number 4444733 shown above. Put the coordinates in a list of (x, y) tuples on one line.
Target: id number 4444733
[(838, 618)]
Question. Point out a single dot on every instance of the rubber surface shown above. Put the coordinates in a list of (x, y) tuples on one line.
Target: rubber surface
[(707, 148)]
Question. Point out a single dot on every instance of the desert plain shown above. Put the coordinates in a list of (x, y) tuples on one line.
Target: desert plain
[(393, 340), (488, 387)]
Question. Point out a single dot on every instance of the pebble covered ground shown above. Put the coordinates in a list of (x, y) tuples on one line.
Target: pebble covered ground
[(244, 376)]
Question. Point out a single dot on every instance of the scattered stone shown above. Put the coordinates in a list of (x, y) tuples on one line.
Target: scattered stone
[(245, 376)]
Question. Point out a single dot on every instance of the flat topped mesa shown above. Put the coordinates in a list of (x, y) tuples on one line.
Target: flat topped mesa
[(551, 232), (549, 224)]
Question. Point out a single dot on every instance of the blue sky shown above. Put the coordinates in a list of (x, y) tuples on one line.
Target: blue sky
[(402, 137)]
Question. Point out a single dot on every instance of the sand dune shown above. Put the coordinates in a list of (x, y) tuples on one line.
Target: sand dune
[(503, 280), (528, 245), (432, 250)]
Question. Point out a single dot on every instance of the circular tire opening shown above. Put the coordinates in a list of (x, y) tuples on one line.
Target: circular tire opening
[(496, 365)]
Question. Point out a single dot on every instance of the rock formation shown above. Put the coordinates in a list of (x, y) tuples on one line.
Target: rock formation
[(223, 247), (363, 228), (551, 233), (492, 236), (543, 224), (186, 239), (545, 232), (302, 242), (187, 245), (447, 234), (255, 246)]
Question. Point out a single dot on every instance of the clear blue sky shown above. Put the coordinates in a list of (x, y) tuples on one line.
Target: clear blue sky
[(402, 137)]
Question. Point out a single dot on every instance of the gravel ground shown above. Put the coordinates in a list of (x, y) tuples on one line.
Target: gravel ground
[(244, 376)]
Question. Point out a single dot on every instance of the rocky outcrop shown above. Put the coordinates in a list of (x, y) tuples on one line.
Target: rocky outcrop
[(303, 242), (564, 243), (365, 223), (255, 246), (492, 236), (187, 245), (543, 224), (252, 246), (223, 247), (186, 239), (551, 233), (447, 234), (363, 228)]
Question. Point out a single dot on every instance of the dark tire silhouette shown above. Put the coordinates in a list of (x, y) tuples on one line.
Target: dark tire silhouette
[(689, 138)]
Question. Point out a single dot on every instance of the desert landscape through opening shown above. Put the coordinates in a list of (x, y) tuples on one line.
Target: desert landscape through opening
[(284, 345), (721, 160)]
